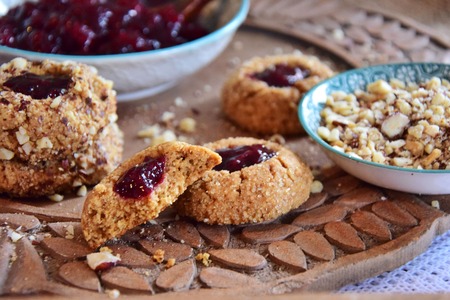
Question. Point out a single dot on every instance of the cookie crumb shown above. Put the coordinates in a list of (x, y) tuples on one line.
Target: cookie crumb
[(105, 249), (158, 256), (170, 263), (204, 258)]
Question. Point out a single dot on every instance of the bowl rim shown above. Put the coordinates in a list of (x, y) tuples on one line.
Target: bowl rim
[(308, 98), (230, 26)]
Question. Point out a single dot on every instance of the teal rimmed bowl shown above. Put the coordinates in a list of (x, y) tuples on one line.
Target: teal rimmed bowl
[(143, 74), (402, 179)]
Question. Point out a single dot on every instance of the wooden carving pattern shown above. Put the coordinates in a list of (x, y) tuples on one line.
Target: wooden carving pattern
[(358, 36), (357, 230)]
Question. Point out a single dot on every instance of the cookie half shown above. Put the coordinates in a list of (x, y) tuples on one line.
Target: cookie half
[(263, 94), (141, 187), (258, 192)]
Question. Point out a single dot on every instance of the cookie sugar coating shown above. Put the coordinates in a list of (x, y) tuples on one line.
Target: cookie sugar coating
[(257, 193), (255, 105), (107, 214)]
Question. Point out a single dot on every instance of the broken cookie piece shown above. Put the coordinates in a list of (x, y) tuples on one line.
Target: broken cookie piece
[(140, 188)]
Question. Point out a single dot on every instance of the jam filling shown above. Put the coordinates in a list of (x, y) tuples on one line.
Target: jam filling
[(91, 27), (234, 159), (39, 86), (281, 75), (141, 180)]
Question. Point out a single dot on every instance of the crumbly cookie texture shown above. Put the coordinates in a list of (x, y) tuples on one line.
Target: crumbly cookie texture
[(52, 128), (257, 193), (255, 106), (59, 176), (56, 144), (106, 214)]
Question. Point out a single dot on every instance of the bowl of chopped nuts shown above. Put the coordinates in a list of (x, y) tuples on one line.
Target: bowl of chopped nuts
[(143, 46), (388, 125)]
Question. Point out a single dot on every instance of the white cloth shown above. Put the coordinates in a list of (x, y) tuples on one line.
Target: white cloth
[(427, 273)]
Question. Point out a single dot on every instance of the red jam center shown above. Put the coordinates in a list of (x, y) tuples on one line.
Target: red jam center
[(234, 159), (141, 180), (39, 86), (281, 75), (84, 27)]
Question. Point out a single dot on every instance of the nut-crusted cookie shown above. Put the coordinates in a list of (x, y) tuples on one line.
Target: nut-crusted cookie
[(141, 187), (57, 127), (263, 94), (63, 175), (50, 110), (271, 182)]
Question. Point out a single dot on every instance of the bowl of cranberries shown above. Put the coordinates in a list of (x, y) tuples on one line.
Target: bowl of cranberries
[(143, 46)]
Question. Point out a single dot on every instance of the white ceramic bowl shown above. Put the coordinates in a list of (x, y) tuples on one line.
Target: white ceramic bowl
[(143, 74), (391, 177)]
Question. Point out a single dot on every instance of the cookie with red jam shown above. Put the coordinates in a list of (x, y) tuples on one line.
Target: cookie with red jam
[(141, 187), (57, 127), (257, 181), (263, 94)]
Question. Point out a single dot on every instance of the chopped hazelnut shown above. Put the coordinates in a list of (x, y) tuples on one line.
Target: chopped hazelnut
[(56, 197), (187, 125), (44, 143), (6, 154), (101, 260)]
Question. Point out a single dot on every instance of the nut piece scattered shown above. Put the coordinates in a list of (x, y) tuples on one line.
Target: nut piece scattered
[(101, 260)]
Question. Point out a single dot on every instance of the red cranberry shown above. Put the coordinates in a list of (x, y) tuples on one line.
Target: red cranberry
[(83, 27), (141, 180), (39, 86), (234, 159), (281, 75)]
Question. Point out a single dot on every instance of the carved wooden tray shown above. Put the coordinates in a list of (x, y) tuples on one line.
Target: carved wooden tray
[(363, 231)]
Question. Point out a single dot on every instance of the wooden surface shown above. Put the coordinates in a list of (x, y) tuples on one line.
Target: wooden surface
[(201, 93), (431, 13)]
